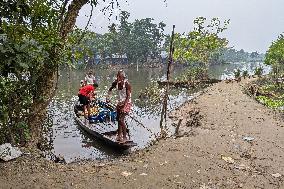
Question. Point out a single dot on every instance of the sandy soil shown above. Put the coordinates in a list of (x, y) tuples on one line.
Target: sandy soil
[(211, 154)]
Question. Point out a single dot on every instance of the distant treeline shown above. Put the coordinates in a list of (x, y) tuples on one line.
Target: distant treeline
[(143, 41), (229, 55), (126, 42)]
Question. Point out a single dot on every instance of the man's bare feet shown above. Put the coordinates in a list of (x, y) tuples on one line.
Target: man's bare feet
[(125, 139), (119, 138), (122, 140)]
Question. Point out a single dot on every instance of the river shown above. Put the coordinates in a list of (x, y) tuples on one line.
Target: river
[(67, 140)]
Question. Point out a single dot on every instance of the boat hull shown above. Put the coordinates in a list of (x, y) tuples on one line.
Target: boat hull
[(106, 131)]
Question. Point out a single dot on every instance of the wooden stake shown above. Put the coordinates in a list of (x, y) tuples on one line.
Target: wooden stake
[(165, 101)]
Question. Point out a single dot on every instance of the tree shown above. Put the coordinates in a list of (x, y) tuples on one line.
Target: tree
[(275, 56), (200, 44), (254, 54), (124, 30), (140, 39), (37, 43)]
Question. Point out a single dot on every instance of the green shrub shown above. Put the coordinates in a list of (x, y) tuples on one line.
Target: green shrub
[(193, 73), (258, 71), (245, 74), (271, 103), (237, 73)]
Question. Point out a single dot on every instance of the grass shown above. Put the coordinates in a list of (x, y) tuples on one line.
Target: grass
[(271, 95)]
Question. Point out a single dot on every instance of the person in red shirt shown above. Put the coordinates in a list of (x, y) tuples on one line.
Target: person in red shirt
[(85, 94)]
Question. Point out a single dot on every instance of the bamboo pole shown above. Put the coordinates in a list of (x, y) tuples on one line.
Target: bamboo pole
[(165, 100)]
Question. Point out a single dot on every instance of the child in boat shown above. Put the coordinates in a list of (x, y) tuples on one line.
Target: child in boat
[(123, 107), (85, 95)]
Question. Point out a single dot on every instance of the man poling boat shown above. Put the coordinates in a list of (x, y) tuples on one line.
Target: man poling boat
[(124, 105)]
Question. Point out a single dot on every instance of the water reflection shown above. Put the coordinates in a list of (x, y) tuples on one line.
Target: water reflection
[(226, 71), (74, 144)]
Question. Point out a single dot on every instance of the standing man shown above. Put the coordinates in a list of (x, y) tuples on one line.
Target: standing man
[(123, 107)]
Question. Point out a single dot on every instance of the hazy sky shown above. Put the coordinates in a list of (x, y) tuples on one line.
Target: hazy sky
[(254, 23)]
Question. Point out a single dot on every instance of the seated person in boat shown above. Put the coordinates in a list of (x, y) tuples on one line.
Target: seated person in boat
[(85, 95), (123, 87), (90, 78)]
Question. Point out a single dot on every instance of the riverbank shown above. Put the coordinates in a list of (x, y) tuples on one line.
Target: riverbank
[(238, 143)]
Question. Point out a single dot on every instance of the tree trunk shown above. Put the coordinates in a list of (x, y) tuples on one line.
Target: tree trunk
[(46, 87), (46, 84)]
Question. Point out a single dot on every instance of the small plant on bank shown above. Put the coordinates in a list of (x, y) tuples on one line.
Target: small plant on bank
[(271, 103), (193, 73), (258, 71), (152, 93), (237, 73), (245, 74), (267, 93)]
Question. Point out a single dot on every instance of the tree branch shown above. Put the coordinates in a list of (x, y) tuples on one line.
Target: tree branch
[(70, 19), (86, 27), (63, 8)]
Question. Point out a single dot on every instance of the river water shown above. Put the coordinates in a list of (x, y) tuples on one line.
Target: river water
[(67, 140)]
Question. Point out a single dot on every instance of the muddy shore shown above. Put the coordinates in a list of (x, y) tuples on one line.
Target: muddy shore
[(238, 143)]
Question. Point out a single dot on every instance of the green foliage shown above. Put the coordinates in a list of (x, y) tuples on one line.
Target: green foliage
[(138, 41), (237, 73), (228, 55), (245, 73), (30, 27), (272, 103), (200, 44), (269, 93), (254, 54), (275, 56), (193, 73), (258, 71), (274, 88), (80, 46), (150, 97), (145, 39), (22, 132)]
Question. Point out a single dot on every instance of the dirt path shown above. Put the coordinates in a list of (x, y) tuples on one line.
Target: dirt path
[(212, 155)]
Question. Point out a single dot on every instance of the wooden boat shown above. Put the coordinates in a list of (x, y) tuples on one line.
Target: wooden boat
[(103, 126), (187, 84)]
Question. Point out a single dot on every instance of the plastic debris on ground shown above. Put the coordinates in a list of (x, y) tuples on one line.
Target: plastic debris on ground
[(143, 174), (276, 175), (227, 159), (126, 174), (241, 167), (8, 152), (248, 138)]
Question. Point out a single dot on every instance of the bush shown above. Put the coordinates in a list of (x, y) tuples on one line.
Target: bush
[(271, 103), (245, 74), (193, 73), (237, 73), (258, 71)]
